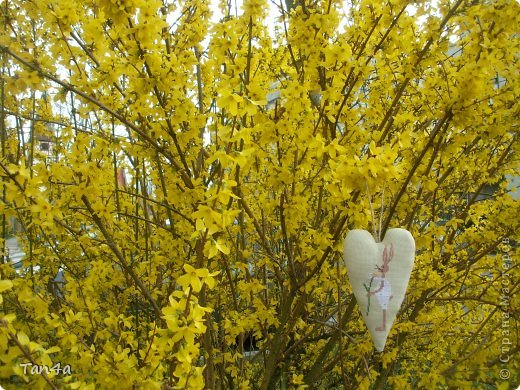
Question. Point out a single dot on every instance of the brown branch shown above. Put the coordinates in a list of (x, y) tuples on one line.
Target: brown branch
[(28, 356), (115, 249), (444, 121)]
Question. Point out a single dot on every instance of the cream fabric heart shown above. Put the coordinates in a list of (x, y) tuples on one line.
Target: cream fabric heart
[(379, 274)]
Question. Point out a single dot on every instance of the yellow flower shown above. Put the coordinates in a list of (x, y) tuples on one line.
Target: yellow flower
[(4, 286), (196, 277), (298, 381)]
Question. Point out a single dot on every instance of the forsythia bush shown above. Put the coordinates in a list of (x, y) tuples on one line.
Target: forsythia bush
[(180, 187)]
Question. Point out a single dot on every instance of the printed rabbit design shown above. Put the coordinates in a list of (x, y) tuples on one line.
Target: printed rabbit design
[(384, 289)]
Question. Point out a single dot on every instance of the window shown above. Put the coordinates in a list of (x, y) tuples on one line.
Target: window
[(44, 146)]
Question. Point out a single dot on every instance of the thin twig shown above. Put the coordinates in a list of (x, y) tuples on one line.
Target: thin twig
[(381, 212)]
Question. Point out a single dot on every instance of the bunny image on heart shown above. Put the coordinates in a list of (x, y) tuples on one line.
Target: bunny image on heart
[(383, 292), (379, 272)]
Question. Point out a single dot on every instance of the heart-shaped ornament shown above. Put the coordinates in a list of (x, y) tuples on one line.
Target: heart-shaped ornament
[(379, 273)]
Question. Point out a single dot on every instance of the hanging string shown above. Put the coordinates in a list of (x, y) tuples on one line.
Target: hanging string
[(381, 212), (374, 228)]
